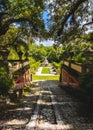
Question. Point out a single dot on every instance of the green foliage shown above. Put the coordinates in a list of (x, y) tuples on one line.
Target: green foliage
[(78, 58), (27, 13), (56, 65), (13, 43), (65, 24), (37, 52), (9, 37), (34, 65), (13, 54), (86, 81), (5, 82), (53, 54), (75, 51), (89, 37), (91, 58), (45, 70)]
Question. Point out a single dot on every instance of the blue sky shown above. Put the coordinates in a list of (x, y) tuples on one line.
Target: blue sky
[(46, 17), (44, 42), (46, 20), (48, 42)]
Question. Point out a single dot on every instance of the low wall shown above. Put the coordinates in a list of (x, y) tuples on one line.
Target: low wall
[(71, 71)]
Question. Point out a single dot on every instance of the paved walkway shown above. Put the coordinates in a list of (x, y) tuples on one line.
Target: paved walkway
[(75, 114)]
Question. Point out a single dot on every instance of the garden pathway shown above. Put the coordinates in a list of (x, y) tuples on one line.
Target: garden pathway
[(75, 114), (39, 72)]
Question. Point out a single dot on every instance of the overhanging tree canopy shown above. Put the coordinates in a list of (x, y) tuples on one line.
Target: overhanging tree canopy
[(69, 18), (24, 12), (19, 20)]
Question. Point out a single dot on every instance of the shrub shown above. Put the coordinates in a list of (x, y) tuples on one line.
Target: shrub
[(56, 65), (5, 82), (86, 82), (79, 58), (34, 65)]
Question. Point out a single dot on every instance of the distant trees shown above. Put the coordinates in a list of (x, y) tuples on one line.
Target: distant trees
[(52, 54), (37, 52), (73, 51)]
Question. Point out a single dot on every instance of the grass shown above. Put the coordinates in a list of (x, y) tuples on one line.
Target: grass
[(45, 70), (36, 77)]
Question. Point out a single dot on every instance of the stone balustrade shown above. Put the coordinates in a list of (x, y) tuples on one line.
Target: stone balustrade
[(71, 71)]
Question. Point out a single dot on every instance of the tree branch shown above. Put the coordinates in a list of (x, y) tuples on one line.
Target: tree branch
[(87, 24), (68, 14), (5, 26)]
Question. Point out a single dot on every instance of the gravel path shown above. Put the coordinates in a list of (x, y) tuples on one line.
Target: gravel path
[(74, 115)]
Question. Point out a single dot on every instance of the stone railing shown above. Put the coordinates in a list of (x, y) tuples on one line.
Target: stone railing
[(20, 72), (16, 65), (70, 72), (79, 67)]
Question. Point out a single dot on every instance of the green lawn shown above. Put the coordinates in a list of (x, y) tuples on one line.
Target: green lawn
[(45, 70), (36, 77)]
